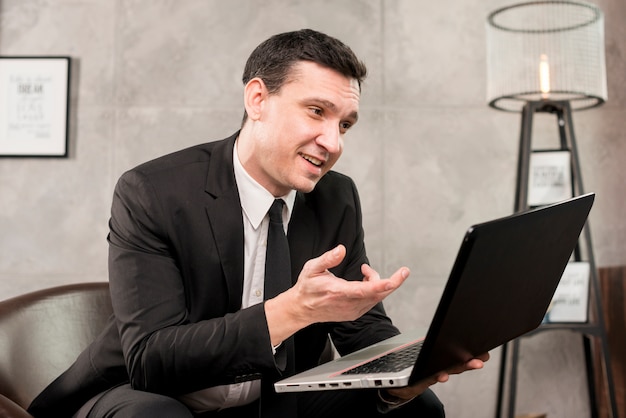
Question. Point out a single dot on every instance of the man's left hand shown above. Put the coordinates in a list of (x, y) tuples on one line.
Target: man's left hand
[(410, 392)]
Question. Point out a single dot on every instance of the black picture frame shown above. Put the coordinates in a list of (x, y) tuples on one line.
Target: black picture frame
[(34, 106), (549, 177), (570, 303)]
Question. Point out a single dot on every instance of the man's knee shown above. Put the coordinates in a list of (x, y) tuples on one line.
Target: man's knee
[(124, 402), (160, 406)]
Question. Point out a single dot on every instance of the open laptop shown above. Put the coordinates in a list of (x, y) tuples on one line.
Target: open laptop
[(500, 287)]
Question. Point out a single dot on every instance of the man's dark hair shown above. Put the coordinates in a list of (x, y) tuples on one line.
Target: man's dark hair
[(273, 60)]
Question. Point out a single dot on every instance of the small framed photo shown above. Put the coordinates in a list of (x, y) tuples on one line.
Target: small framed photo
[(34, 106), (550, 177), (570, 301)]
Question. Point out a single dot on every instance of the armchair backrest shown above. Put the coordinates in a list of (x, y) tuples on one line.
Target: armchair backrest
[(42, 333)]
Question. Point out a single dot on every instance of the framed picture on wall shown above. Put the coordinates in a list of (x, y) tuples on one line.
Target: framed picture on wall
[(550, 177), (34, 106)]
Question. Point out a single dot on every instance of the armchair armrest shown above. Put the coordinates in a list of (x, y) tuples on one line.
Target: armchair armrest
[(9, 409)]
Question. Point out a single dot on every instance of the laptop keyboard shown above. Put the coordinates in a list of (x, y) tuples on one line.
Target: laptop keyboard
[(390, 362)]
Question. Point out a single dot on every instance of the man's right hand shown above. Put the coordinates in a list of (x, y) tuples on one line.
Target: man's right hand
[(320, 296)]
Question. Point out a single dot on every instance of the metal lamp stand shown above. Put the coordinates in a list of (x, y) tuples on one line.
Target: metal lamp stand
[(594, 327)]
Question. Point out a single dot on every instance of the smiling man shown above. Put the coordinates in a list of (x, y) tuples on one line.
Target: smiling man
[(194, 333), (294, 137)]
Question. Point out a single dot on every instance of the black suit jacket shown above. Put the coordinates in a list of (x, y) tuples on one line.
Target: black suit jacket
[(176, 276)]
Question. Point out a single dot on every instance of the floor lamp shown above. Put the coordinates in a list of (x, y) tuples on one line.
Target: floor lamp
[(547, 56)]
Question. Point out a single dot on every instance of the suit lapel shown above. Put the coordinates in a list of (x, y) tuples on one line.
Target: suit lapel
[(224, 212)]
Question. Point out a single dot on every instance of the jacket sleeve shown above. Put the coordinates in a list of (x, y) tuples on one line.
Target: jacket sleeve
[(165, 351)]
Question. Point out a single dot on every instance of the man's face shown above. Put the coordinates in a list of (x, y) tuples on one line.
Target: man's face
[(298, 132)]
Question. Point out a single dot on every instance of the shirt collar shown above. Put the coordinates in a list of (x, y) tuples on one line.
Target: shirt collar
[(255, 199)]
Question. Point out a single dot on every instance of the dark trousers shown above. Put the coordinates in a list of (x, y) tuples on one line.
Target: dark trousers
[(124, 402)]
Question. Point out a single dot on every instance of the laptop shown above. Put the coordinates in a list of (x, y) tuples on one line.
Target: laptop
[(500, 286)]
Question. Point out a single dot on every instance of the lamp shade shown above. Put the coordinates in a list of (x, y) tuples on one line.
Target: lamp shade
[(546, 50)]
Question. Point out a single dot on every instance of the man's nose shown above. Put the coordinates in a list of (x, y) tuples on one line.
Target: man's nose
[(330, 139)]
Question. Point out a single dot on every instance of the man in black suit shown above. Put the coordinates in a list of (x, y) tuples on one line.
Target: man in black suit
[(192, 333)]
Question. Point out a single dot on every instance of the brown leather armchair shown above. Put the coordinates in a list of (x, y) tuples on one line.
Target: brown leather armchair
[(41, 334)]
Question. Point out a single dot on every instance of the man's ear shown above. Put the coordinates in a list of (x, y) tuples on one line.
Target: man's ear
[(255, 93)]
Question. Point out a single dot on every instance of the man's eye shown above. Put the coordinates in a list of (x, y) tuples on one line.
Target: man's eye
[(316, 110), (345, 126)]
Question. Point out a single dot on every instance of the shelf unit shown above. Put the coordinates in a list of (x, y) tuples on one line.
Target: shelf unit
[(594, 328)]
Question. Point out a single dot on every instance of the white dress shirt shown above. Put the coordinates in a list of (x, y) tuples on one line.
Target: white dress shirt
[(255, 203)]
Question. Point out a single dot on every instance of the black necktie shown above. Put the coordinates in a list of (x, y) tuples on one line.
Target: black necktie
[(277, 280), (277, 263)]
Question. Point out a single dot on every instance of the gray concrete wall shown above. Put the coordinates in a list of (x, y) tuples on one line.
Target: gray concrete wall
[(429, 156)]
